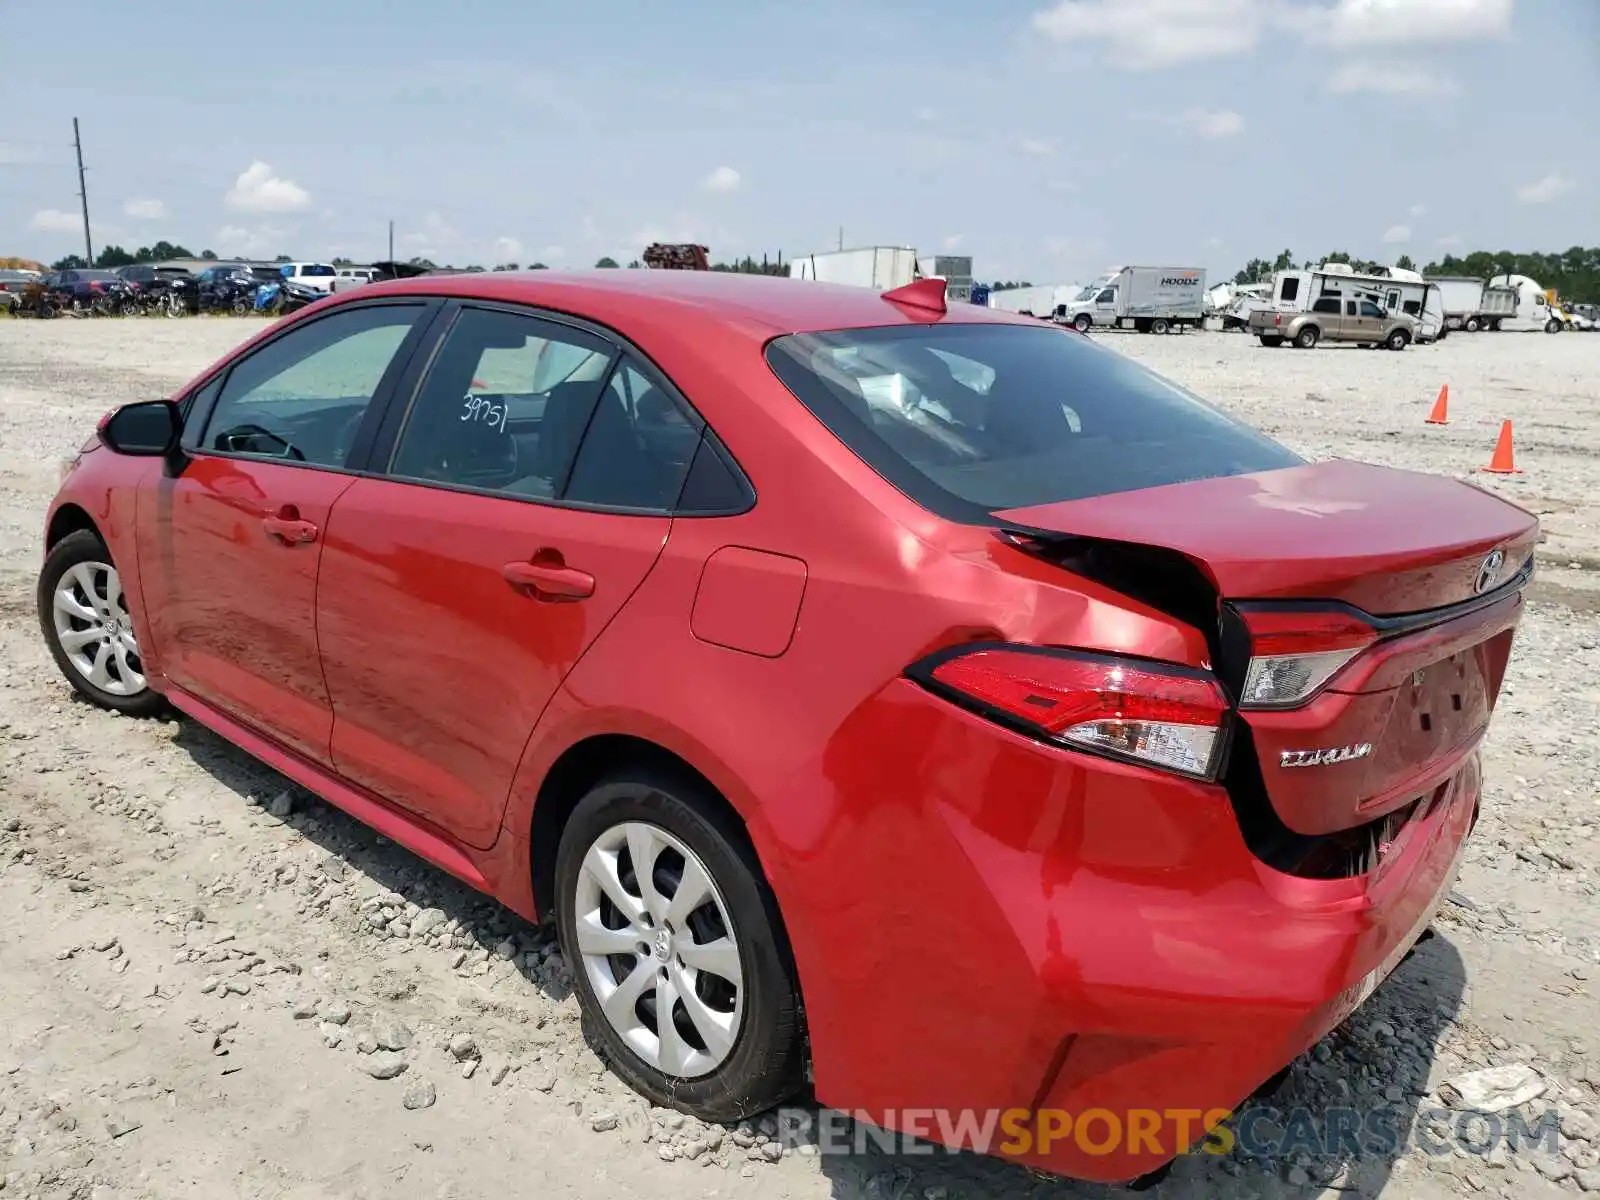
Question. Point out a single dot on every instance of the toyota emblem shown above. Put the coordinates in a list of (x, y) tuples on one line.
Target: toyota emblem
[(1489, 572)]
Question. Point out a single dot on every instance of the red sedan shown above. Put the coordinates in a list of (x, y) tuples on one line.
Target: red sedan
[(928, 699)]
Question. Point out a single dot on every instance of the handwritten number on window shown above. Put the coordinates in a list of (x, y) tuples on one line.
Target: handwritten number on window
[(478, 408)]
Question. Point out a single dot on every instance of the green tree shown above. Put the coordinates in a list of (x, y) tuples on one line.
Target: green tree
[(111, 257), (283, 258), (607, 261), (1404, 263), (538, 267), (209, 255), (72, 262)]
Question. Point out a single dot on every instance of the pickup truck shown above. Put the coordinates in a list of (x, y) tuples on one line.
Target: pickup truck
[(1334, 320)]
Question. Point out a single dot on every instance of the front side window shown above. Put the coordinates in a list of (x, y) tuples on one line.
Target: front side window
[(1369, 309), (504, 405), (302, 397), (968, 420)]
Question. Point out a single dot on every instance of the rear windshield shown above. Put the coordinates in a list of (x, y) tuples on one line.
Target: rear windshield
[(971, 419)]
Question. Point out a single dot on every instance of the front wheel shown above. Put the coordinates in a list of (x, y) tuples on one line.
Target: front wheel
[(1472, 325), (84, 616), (1552, 326), (676, 945), (1082, 322), (1159, 325)]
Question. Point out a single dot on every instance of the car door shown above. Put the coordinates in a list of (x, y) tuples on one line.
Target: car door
[(1325, 312), (229, 548), (464, 581)]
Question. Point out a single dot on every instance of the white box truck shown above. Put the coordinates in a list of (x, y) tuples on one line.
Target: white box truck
[(877, 267), (1148, 299)]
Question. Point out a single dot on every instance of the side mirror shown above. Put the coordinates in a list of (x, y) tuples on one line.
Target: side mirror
[(147, 429)]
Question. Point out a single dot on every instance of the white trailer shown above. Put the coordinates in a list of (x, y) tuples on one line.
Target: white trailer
[(1049, 300), (1405, 292), (1148, 299), (877, 267), (1463, 302), (954, 269)]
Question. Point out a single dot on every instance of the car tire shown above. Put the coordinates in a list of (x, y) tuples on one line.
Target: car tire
[(1398, 340), (1472, 325), (1271, 342), (84, 617), (1159, 326), (1552, 326), (1307, 338), (759, 1060), (1083, 322)]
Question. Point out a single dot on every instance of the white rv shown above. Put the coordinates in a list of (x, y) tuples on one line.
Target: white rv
[(1148, 299), (1397, 290), (1533, 311), (1048, 300), (878, 267)]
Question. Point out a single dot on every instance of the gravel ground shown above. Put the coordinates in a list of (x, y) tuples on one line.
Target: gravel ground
[(214, 985)]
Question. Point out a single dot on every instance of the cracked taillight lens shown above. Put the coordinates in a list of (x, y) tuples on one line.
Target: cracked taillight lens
[(1294, 655), (1169, 717)]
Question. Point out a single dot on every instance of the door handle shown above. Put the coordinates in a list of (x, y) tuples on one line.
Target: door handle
[(549, 579), (287, 526)]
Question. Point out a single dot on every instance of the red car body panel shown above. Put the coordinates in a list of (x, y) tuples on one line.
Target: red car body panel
[(978, 919)]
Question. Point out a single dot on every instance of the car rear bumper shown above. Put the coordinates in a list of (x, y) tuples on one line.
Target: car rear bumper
[(1078, 935)]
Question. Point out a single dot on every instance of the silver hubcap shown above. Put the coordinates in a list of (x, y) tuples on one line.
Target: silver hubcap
[(659, 949), (95, 631)]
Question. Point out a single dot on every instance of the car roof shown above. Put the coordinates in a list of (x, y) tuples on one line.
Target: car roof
[(763, 305)]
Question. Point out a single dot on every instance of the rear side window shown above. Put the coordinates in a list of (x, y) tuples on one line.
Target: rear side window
[(971, 419)]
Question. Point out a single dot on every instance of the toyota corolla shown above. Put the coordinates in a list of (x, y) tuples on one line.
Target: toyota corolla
[(911, 701)]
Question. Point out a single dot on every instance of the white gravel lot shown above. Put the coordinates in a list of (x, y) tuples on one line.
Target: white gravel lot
[(204, 975)]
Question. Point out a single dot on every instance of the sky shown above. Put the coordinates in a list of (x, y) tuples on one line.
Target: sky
[(1048, 139)]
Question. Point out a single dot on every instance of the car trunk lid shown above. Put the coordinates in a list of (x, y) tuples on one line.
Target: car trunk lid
[(1402, 589)]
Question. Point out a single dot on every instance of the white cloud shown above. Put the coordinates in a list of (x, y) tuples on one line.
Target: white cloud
[(145, 210), (952, 243), (1037, 147), (507, 249), (1396, 235), (1418, 210), (1150, 34), (1451, 241), (260, 189), (723, 179), (1396, 22), (53, 220), (436, 239), (1390, 79), (553, 253), (1224, 123), (1552, 187), (257, 242), (10, 152)]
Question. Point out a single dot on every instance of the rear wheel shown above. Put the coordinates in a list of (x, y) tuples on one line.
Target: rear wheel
[(1306, 339), (1271, 341), (677, 948), (1159, 325), (1472, 325), (84, 616)]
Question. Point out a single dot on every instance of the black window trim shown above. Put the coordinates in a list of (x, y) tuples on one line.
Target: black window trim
[(408, 387), (196, 419)]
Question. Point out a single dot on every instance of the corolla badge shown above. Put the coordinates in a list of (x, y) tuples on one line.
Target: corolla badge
[(1323, 758), (1489, 572)]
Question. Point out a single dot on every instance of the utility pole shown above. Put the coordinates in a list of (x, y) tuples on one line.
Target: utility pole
[(391, 241), (83, 196)]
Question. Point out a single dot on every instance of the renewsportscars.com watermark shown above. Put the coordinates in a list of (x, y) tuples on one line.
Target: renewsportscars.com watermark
[(1257, 1132)]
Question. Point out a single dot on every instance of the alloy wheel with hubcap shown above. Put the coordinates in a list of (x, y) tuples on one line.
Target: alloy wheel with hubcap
[(659, 949), (680, 960), (84, 615)]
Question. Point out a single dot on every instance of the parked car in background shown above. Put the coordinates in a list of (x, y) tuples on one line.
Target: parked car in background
[(151, 279), (318, 276), (1166, 738), (1335, 319), (78, 287), (11, 284)]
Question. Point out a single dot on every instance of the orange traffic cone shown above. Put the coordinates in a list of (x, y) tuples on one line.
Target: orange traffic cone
[(1500, 461), (1441, 408)]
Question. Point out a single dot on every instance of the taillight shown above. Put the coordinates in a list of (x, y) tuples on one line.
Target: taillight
[(1293, 655), (1157, 715), (1277, 318)]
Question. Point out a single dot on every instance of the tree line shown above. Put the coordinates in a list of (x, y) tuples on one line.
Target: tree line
[(112, 257), (1574, 274)]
